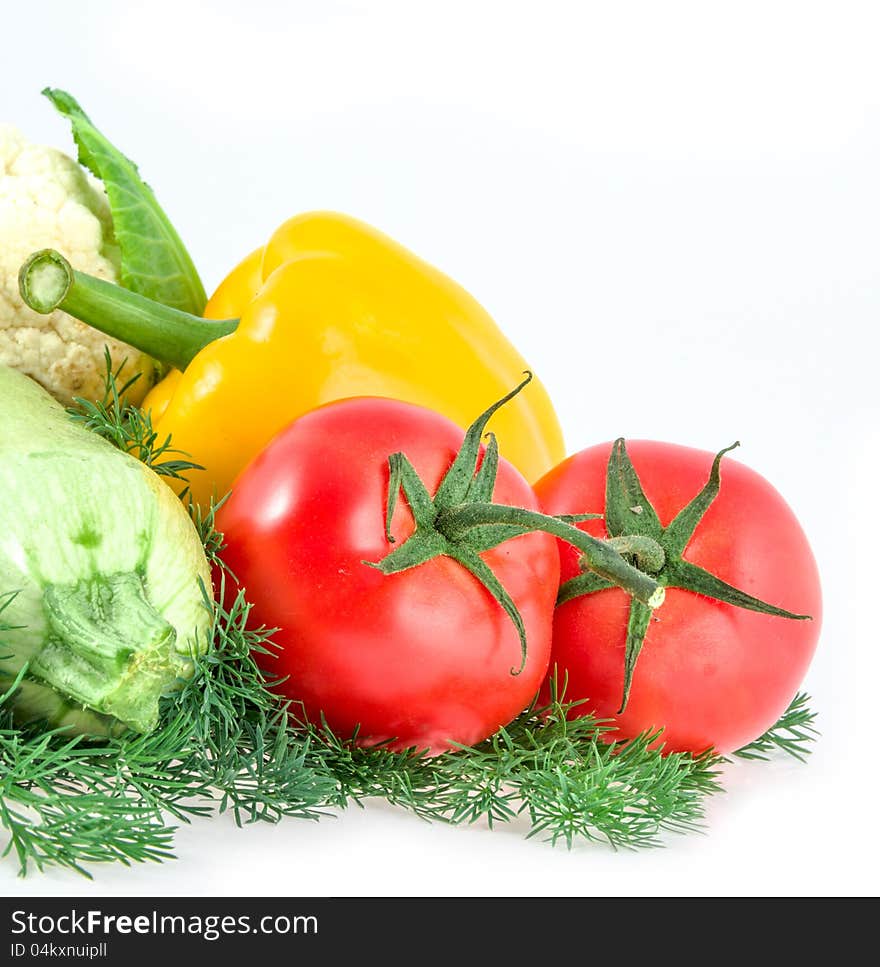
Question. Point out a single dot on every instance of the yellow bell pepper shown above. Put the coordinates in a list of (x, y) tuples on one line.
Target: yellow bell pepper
[(329, 308)]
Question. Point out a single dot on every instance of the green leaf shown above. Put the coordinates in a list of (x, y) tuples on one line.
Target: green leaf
[(468, 558), (683, 574), (155, 262), (682, 528), (402, 474), (454, 487), (416, 493), (627, 509), (586, 583), (418, 549), (483, 485), (792, 734), (636, 629), (486, 536), (128, 427)]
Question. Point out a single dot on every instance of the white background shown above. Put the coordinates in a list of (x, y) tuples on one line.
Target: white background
[(671, 208)]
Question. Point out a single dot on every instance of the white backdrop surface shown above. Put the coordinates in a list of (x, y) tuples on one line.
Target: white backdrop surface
[(699, 181)]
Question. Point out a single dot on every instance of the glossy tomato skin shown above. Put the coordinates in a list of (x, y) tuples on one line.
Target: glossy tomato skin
[(709, 674), (422, 657)]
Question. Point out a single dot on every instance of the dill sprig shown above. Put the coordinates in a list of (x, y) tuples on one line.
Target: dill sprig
[(562, 776), (228, 741), (792, 734), (129, 428)]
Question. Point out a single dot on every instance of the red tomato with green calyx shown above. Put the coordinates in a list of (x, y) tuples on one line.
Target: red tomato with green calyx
[(420, 655), (704, 667)]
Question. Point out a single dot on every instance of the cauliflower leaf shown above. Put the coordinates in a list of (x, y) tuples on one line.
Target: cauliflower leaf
[(154, 261)]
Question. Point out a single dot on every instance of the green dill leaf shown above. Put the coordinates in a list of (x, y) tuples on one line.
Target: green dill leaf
[(792, 734), (129, 428), (561, 776)]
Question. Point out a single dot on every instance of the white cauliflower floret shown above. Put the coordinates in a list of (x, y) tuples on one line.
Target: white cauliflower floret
[(47, 200)]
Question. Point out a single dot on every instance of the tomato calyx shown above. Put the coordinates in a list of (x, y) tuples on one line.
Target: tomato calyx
[(460, 521), (635, 530)]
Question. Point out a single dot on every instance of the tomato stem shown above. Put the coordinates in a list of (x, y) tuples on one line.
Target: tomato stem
[(458, 523), (650, 556), (636, 530)]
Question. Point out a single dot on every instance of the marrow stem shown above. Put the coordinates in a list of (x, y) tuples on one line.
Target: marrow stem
[(108, 648)]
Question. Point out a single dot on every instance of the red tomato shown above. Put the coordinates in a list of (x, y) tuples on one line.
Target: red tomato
[(709, 673), (424, 656)]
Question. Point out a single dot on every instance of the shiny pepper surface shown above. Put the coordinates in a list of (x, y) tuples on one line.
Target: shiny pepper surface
[(331, 308)]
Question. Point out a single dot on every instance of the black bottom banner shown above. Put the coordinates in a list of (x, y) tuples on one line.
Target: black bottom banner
[(383, 931), (172, 930)]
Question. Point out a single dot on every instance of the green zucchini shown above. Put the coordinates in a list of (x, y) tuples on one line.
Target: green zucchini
[(101, 568)]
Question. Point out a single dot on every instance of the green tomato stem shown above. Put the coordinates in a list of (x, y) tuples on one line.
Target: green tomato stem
[(47, 282), (649, 555), (596, 554)]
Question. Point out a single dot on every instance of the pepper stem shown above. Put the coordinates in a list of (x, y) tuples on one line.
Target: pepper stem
[(108, 648), (47, 282)]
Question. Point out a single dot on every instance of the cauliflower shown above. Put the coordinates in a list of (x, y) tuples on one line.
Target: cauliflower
[(48, 201)]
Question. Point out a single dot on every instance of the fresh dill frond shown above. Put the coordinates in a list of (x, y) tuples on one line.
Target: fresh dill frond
[(128, 427), (574, 784), (211, 538), (792, 734), (56, 813), (261, 767), (561, 775)]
